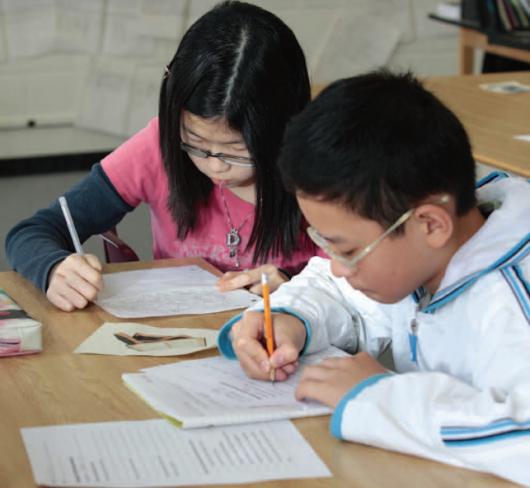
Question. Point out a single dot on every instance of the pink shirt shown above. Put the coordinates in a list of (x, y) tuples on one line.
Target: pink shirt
[(137, 172)]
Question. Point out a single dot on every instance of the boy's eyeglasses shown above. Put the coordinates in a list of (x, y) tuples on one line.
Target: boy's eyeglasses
[(225, 158), (352, 262)]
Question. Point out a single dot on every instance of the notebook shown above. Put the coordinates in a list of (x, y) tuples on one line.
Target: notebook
[(19, 333), (215, 391)]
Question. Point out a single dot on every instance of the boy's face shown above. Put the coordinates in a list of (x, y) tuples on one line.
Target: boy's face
[(394, 269)]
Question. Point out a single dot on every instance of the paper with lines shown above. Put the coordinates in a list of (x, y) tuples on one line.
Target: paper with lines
[(155, 453), (216, 391), (161, 292)]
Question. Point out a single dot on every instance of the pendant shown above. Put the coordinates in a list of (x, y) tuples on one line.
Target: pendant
[(232, 241)]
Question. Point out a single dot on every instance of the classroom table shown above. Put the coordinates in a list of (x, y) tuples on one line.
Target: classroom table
[(60, 387), (491, 119), (472, 39)]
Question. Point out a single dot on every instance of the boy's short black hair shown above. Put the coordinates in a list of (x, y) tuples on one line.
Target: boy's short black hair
[(378, 143)]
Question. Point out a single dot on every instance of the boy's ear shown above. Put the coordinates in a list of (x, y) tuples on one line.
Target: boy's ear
[(436, 224)]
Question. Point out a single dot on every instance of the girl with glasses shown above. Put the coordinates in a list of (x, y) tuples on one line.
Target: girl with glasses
[(206, 166)]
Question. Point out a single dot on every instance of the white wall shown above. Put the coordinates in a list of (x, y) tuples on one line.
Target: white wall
[(97, 64)]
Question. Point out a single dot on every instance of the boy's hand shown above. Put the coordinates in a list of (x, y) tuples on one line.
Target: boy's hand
[(75, 282), (251, 279), (248, 343), (330, 380)]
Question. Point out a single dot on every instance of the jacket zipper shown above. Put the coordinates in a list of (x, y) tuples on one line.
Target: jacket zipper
[(413, 340)]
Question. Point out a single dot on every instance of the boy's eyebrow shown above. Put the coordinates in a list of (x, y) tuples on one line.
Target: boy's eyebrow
[(187, 129)]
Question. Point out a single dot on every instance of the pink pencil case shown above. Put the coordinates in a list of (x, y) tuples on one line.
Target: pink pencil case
[(19, 333)]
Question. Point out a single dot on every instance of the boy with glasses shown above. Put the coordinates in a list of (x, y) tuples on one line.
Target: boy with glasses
[(420, 259)]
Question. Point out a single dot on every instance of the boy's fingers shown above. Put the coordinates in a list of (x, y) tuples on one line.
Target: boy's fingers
[(279, 375), (311, 390), (316, 373), (283, 355), (250, 326), (322, 391), (290, 368), (255, 365), (252, 349)]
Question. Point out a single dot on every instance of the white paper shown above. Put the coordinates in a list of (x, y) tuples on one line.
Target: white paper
[(510, 87), (522, 137), (167, 291), (103, 340), (215, 391), (156, 453)]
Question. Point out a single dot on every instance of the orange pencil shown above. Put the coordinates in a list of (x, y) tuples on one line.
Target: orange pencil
[(269, 332)]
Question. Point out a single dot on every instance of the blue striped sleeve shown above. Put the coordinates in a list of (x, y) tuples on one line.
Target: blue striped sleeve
[(336, 419)]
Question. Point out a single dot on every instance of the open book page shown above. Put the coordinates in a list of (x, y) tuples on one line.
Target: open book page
[(167, 291), (216, 391), (155, 453)]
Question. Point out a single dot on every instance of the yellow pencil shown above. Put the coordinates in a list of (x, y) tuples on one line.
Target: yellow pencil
[(269, 332)]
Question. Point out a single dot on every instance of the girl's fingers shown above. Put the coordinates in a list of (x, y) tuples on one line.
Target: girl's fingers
[(256, 289), (233, 280), (252, 279), (59, 301)]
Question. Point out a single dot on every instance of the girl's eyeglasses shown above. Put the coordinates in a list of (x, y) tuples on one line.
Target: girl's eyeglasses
[(225, 158), (352, 262)]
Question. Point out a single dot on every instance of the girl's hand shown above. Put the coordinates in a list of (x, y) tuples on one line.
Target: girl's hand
[(251, 279), (75, 282), (248, 343)]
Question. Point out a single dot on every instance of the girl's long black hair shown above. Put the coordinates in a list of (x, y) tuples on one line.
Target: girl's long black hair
[(244, 64)]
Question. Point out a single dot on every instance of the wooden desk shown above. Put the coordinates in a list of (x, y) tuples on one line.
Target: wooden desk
[(59, 387), (491, 119), (471, 39)]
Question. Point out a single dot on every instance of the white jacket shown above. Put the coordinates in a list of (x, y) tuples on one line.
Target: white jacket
[(463, 395)]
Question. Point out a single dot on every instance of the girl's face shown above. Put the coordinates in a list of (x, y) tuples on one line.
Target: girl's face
[(215, 136)]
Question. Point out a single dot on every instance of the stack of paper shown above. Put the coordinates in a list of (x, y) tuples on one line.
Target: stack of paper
[(215, 391)]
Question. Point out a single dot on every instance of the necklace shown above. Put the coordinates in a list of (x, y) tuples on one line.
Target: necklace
[(233, 239)]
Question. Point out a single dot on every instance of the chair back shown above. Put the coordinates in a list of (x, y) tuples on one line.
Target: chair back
[(116, 250)]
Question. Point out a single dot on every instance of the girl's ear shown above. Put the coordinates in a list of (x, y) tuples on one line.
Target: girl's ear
[(435, 223)]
